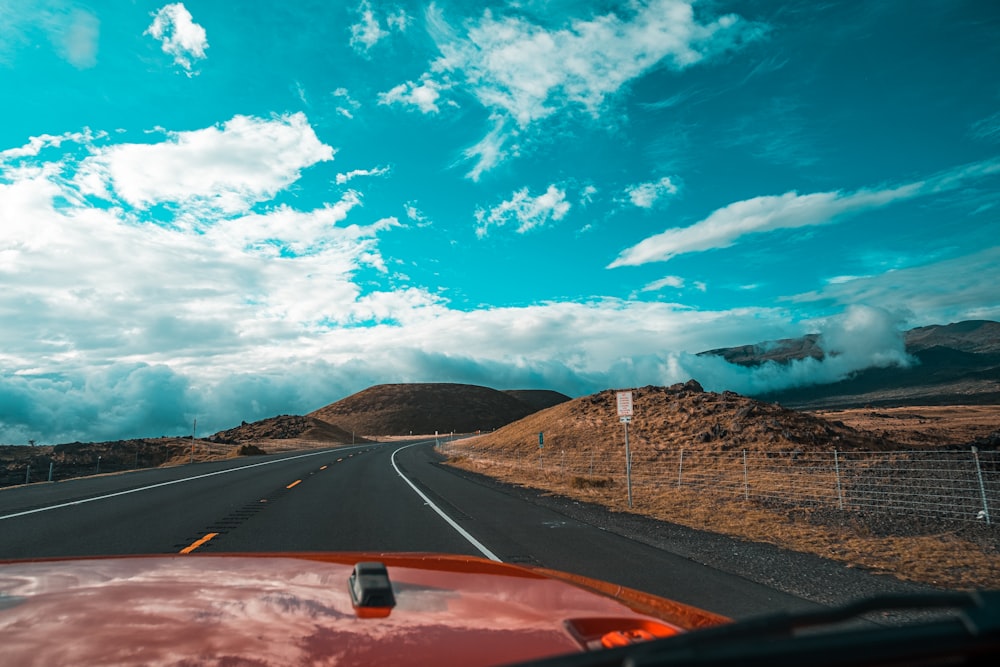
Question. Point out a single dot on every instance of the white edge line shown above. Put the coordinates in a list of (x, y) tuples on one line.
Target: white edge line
[(461, 531), (161, 484)]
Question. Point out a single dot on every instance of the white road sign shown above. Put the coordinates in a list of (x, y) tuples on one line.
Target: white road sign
[(624, 404)]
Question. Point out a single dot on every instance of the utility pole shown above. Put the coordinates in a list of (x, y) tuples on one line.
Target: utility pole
[(194, 429)]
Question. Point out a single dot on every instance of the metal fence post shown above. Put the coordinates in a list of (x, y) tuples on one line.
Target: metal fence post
[(51, 466), (680, 469), (836, 466), (27, 476), (982, 487), (746, 479)]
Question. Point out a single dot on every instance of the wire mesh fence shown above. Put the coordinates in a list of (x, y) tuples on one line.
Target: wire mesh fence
[(940, 484)]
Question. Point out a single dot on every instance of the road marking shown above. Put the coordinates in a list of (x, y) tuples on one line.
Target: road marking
[(294, 484), (461, 531), (157, 486), (194, 545), (322, 467)]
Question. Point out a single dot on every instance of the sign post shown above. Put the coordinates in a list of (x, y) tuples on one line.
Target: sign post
[(625, 416)]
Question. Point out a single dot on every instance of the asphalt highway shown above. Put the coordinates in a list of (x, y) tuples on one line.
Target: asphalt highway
[(386, 497)]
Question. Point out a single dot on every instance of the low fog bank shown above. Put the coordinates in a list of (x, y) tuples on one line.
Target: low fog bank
[(140, 400)]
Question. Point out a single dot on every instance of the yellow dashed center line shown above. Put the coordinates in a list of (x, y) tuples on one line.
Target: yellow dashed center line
[(323, 468), (194, 545), (293, 484)]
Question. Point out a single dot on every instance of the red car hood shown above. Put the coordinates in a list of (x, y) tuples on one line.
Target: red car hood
[(297, 609)]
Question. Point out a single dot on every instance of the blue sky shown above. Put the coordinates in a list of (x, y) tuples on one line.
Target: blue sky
[(230, 210)]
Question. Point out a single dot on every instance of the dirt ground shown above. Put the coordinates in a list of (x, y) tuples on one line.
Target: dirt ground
[(930, 426)]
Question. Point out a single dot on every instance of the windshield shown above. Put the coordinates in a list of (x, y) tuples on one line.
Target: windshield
[(693, 298)]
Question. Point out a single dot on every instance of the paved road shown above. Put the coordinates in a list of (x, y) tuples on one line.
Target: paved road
[(374, 497)]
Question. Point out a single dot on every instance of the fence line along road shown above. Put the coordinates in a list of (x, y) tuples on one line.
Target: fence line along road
[(940, 484)]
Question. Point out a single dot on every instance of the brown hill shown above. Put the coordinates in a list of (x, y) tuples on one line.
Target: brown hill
[(402, 409), (683, 415), (538, 399), (282, 427)]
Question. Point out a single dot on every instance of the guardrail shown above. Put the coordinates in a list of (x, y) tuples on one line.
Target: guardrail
[(940, 484)]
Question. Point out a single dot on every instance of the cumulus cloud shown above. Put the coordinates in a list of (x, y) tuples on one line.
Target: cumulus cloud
[(343, 178), (368, 31), (667, 281), (646, 195), (179, 36), (228, 167), (529, 212), (347, 105), (530, 71), (523, 71), (423, 95), (37, 144), (169, 308)]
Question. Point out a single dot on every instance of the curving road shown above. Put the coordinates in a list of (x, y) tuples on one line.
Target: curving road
[(389, 497)]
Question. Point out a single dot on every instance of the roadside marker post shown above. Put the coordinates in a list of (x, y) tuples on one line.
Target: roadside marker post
[(625, 412)]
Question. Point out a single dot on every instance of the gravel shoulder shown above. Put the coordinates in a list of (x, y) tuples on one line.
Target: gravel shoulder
[(808, 576)]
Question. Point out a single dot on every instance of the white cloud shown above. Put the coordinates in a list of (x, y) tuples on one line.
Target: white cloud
[(35, 145), (350, 175), (723, 227), (950, 290), (529, 212), (416, 215), (761, 214), (349, 105), (530, 71), (525, 72), (368, 31), (423, 96), (492, 149), (130, 330), (71, 29), (645, 195), (179, 35), (668, 281), (228, 167), (77, 38)]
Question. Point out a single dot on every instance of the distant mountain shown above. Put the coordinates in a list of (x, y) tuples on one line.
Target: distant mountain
[(402, 409), (959, 363)]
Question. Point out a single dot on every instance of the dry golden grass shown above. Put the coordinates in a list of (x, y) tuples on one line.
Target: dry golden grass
[(934, 426), (586, 435), (945, 559)]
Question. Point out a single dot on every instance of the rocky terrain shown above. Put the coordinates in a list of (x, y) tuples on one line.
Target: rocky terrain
[(682, 416)]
